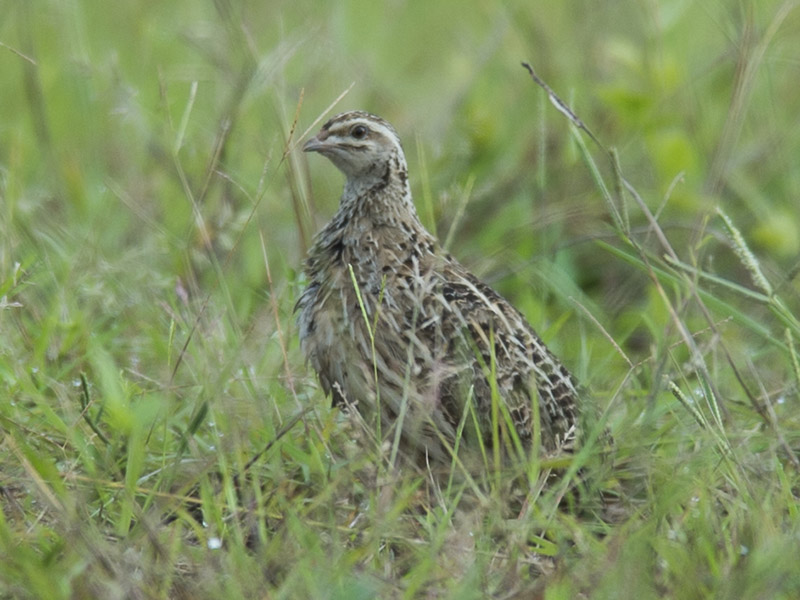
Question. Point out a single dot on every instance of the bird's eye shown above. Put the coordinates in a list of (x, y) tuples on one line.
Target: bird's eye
[(359, 132)]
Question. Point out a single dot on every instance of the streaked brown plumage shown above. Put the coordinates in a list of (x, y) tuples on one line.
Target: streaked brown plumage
[(425, 336)]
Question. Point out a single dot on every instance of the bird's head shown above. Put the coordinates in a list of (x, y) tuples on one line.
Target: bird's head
[(362, 146)]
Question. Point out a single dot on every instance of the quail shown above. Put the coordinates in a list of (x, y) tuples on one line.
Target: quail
[(398, 328)]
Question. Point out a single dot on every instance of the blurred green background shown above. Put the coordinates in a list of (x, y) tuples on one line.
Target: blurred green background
[(155, 210)]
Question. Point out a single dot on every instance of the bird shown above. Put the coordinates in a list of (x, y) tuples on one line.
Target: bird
[(398, 328)]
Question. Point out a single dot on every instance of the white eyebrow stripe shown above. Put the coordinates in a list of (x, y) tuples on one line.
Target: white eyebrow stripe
[(343, 127)]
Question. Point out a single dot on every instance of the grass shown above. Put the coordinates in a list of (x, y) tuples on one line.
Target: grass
[(161, 435)]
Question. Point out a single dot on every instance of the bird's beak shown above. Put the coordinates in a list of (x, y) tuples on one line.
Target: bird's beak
[(315, 144)]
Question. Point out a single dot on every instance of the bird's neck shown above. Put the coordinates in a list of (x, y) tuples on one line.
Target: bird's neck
[(382, 197)]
